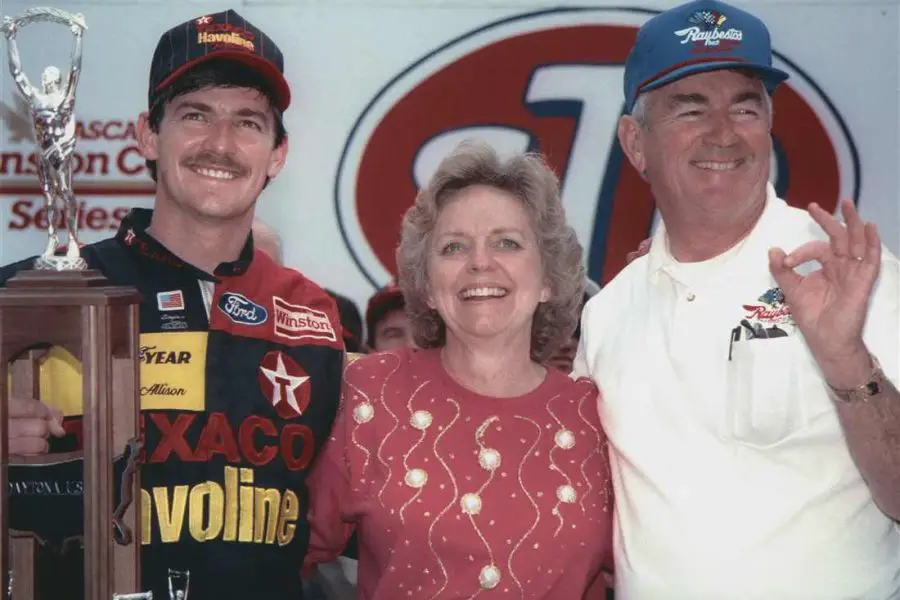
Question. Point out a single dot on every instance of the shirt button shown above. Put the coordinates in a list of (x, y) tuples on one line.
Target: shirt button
[(691, 296)]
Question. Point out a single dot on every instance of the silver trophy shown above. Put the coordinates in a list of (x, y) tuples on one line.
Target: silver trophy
[(52, 115), (179, 584)]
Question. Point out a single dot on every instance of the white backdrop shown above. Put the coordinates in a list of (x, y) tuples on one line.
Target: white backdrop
[(383, 88)]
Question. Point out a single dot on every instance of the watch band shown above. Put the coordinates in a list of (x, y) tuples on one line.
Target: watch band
[(861, 393)]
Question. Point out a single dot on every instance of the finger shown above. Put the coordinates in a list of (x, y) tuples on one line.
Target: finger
[(55, 423), (835, 230), (873, 244), (856, 230), (29, 428), (31, 446), (818, 250), (784, 275)]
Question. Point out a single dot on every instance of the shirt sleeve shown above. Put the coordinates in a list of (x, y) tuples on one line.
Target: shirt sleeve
[(331, 493), (579, 364)]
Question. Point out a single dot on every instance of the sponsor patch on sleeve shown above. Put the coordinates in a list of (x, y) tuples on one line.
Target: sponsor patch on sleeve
[(298, 322)]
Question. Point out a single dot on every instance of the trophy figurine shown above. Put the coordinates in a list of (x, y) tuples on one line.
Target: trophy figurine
[(52, 113)]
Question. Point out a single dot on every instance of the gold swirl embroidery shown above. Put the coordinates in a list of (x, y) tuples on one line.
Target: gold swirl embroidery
[(537, 512), (556, 512), (384, 440), (355, 441), (410, 451), (452, 502), (596, 450), (479, 435)]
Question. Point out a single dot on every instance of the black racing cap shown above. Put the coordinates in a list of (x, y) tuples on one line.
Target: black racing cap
[(221, 35)]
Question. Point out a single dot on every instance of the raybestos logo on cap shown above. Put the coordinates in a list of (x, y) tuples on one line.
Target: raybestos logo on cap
[(706, 31)]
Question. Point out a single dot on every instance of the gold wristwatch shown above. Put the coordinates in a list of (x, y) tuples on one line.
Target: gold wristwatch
[(861, 393)]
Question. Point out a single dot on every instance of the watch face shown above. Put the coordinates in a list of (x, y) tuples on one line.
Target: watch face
[(873, 388)]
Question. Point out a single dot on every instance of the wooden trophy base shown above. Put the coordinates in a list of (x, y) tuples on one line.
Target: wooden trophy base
[(98, 324)]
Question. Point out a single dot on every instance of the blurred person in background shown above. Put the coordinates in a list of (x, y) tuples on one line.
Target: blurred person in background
[(387, 323), (267, 240), (351, 320)]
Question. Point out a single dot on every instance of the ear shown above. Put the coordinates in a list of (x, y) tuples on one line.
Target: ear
[(629, 133), (146, 138), (278, 158)]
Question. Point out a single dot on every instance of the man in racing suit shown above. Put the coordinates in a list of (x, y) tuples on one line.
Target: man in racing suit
[(241, 358)]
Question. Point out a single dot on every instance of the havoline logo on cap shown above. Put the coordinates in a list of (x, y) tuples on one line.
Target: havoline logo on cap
[(706, 30), (223, 34)]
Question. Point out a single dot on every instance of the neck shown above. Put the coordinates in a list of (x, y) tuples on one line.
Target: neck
[(203, 243), (702, 235), (492, 368)]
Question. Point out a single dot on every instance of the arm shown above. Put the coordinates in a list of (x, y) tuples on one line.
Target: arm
[(329, 493), (75, 73), (15, 64), (872, 429), (846, 319)]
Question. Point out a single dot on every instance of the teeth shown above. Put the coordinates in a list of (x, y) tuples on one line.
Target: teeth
[(215, 173), (718, 166), (484, 292)]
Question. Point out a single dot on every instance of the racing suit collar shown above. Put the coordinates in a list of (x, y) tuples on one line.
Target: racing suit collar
[(133, 235)]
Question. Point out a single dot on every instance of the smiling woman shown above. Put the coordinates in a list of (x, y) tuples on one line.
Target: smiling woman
[(514, 209), (468, 464)]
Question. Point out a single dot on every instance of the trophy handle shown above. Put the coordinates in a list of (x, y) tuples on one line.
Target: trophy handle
[(54, 15)]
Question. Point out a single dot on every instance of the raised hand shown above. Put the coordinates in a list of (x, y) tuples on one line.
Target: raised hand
[(829, 305)]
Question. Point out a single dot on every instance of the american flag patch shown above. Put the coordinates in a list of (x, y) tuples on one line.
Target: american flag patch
[(173, 300)]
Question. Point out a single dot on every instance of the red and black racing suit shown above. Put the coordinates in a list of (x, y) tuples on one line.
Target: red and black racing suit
[(240, 380)]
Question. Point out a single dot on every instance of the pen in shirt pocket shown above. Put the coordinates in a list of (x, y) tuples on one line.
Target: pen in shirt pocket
[(735, 336)]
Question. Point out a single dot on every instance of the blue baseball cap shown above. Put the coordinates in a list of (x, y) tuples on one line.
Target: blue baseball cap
[(704, 35)]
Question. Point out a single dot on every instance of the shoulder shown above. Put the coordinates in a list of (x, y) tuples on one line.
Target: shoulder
[(572, 386), (290, 283), (371, 370), (615, 296), (385, 376), (301, 308)]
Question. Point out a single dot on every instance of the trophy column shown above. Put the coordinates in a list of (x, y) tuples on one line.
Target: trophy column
[(98, 324)]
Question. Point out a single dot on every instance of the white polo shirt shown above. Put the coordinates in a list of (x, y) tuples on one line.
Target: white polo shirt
[(732, 475)]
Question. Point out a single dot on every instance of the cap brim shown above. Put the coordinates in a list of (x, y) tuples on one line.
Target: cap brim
[(770, 76), (264, 67)]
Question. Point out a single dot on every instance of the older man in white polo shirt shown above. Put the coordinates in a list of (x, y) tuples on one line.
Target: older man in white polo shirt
[(749, 362)]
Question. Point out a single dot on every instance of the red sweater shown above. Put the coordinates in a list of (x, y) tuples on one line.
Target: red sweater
[(455, 494)]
